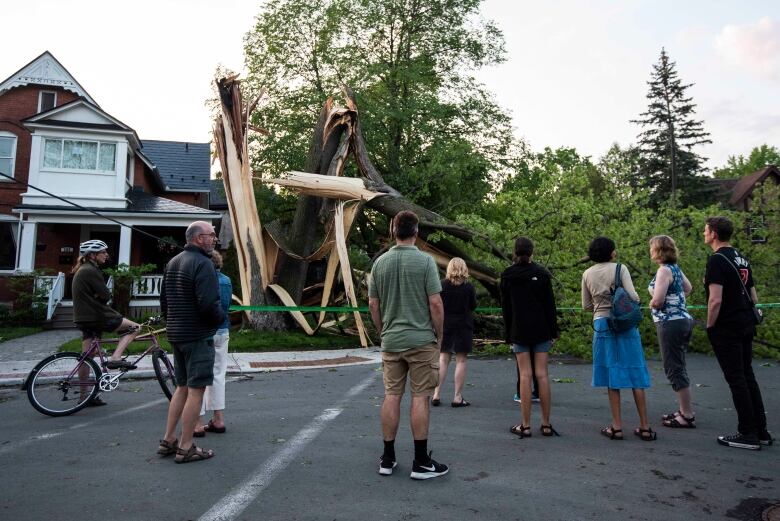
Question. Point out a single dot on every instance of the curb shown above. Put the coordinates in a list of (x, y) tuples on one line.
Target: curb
[(15, 373)]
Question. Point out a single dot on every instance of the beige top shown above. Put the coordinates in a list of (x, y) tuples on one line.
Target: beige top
[(597, 281)]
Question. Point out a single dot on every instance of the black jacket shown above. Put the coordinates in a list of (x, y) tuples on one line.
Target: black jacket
[(529, 304), (459, 301), (189, 296)]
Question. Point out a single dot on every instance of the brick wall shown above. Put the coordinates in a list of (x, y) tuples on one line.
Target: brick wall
[(15, 105)]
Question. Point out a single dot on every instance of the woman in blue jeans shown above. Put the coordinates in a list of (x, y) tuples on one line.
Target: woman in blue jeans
[(673, 325), (531, 326)]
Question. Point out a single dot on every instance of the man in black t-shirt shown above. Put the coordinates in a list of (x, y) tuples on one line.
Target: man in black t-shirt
[(728, 285)]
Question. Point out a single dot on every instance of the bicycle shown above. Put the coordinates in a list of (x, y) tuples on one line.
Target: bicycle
[(64, 383)]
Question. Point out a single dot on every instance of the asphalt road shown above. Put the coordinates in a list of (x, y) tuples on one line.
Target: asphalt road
[(304, 445)]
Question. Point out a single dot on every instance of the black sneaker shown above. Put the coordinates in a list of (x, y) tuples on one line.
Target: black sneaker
[(765, 438), (386, 466), (429, 470), (740, 441)]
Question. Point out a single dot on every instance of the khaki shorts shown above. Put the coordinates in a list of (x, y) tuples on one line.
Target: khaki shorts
[(422, 365)]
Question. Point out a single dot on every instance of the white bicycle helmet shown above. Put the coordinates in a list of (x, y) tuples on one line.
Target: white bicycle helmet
[(93, 246)]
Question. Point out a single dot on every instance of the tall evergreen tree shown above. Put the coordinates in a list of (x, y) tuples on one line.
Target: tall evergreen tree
[(669, 166)]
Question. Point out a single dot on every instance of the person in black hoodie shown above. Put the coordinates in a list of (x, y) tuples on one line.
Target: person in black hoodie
[(531, 327)]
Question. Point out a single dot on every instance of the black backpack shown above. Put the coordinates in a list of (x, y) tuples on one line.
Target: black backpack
[(625, 313)]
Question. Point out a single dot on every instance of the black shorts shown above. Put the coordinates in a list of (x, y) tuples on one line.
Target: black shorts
[(90, 330), (457, 340), (193, 363)]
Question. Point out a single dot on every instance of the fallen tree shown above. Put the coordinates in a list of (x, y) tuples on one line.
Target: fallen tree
[(273, 260)]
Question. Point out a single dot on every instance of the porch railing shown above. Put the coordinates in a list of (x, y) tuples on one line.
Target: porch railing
[(56, 292), (148, 286)]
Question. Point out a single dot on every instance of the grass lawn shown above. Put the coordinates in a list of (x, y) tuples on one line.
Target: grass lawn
[(249, 341), (11, 332)]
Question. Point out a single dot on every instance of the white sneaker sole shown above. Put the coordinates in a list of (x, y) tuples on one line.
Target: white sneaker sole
[(427, 475), (387, 472), (736, 445)]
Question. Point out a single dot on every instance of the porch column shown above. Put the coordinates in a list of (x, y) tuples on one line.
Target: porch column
[(125, 236), (27, 246)]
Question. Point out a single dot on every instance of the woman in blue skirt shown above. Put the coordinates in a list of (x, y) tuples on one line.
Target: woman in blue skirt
[(618, 359)]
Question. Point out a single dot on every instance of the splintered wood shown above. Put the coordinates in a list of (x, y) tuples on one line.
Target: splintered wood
[(337, 136)]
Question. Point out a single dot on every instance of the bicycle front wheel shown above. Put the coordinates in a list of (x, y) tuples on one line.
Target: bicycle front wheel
[(62, 384), (163, 369)]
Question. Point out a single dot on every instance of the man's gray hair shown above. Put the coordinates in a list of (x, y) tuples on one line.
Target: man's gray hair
[(193, 230)]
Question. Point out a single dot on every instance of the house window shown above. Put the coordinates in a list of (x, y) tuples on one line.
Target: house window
[(70, 154), (8, 238), (756, 229), (46, 100), (7, 154)]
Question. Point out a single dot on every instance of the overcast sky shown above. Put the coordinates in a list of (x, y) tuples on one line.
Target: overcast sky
[(575, 73)]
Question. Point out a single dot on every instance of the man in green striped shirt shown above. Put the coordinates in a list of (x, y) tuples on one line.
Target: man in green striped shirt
[(406, 307)]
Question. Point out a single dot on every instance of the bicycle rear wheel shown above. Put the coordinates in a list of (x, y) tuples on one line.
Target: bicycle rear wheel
[(163, 369), (61, 384)]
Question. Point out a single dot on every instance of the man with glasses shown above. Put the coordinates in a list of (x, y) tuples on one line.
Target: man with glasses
[(190, 302)]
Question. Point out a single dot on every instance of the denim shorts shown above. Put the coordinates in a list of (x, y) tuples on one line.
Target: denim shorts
[(541, 347)]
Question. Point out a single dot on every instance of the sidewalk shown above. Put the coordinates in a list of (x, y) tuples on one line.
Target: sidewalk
[(19, 356)]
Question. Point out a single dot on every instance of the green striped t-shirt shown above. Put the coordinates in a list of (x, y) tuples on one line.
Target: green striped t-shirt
[(402, 279)]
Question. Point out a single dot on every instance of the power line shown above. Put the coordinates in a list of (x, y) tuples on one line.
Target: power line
[(90, 210)]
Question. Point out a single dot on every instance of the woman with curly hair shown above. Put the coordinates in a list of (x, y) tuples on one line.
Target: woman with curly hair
[(673, 325)]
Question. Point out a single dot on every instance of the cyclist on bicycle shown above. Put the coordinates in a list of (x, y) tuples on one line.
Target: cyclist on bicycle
[(91, 312)]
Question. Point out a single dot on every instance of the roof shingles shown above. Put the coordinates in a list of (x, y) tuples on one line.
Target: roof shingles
[(182, 166)]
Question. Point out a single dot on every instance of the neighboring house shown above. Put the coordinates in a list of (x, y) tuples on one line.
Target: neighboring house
[(738, 193), (741, 194), (54, 136)]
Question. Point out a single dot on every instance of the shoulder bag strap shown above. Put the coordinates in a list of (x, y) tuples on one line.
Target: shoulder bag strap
[(618, 281), (739, 277)]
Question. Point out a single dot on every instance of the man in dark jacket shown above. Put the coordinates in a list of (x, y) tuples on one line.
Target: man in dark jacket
[(190, 301)]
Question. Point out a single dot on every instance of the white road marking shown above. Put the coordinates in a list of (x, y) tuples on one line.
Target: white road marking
[(49, 435), (235, 502)]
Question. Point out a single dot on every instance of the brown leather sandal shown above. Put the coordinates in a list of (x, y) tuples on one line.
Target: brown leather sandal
[(192, 454), (168, 448), (645, 434)]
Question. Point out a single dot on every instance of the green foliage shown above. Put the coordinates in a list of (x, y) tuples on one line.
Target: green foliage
[(564, 201), (431, 129), (29, 299), (670, 133), (124, 278), (738, 166)]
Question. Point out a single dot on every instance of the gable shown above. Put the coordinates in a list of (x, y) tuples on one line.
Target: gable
[(745, 185), (80, 114), (45, 70)]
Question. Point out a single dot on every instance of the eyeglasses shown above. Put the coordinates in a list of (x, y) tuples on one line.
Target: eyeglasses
[(211, 235)]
